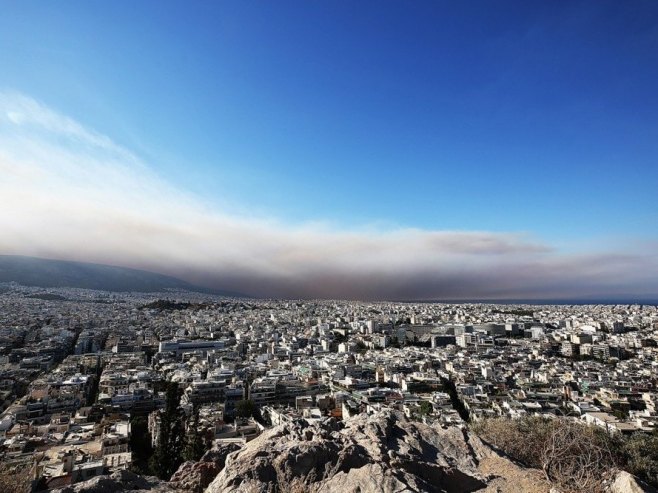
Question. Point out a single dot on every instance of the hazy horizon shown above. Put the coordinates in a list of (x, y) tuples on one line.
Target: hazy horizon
[(300, 152)]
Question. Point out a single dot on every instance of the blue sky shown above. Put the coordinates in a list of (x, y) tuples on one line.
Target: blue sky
[(536, 118)]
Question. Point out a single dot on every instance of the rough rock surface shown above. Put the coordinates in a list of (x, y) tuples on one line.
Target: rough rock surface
[(194, 477), (121, 481), (381, 453), (627, 483)]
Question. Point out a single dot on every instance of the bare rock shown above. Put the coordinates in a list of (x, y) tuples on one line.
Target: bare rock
[(194, 477), (382, 453), (627, 483), (121, 481)]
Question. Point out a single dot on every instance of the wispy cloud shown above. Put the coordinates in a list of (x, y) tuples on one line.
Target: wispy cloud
[(68, 192)]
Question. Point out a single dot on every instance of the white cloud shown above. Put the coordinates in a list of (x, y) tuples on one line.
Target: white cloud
[(67, 192)]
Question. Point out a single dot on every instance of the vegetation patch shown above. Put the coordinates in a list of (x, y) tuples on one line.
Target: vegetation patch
[(573, 456)]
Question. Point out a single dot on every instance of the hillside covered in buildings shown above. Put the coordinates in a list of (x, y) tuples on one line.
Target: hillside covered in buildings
[(198, 392)]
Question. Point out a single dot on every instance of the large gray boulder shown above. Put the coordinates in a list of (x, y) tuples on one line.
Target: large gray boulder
[(379, 453)]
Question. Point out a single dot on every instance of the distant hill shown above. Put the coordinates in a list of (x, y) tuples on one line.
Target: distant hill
[(32, 271)]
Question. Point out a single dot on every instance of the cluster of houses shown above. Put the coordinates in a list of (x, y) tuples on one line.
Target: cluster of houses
[(79, 366)]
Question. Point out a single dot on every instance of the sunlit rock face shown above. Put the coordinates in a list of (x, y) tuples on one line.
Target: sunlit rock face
[(381, 453)]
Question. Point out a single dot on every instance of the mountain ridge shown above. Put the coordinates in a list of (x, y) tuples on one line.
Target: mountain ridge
[(51, 273)]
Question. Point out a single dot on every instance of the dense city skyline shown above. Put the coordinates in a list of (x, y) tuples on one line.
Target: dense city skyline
[(416, 152)]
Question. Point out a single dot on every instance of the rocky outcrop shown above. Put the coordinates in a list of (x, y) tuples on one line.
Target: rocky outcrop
[(380, 453), (627, 483), (121, 481), (194, 477)]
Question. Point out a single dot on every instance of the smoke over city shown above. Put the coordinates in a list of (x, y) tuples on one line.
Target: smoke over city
[(67, 192)]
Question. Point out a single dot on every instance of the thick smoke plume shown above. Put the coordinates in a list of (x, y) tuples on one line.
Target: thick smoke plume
[(67, 192)]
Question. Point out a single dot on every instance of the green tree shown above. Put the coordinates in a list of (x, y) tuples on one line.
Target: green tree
[(140, 445), (245, 409), (457, 403), (195, 444), (168, 454), (361, 346), (425, 408)]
